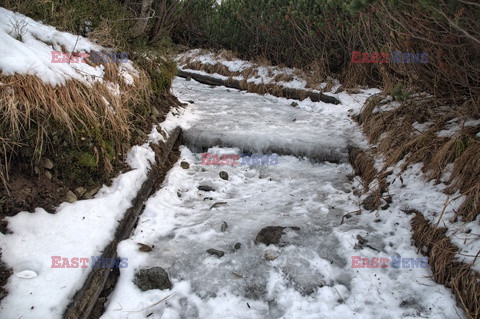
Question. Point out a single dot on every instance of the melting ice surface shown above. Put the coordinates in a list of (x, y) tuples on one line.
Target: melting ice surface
[(309, 273)]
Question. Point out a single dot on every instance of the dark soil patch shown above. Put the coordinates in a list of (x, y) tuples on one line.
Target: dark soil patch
[(29, 190), (5, 273)]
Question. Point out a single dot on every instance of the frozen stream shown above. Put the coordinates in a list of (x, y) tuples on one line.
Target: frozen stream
[(309, 273)]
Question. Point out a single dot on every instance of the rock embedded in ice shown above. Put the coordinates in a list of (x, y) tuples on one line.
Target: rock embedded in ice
[(152, 278), (206, 188), (237, 246), (270, 255), (215, 252), (184, 165), (224, 226), (223, 175), (271, 235)]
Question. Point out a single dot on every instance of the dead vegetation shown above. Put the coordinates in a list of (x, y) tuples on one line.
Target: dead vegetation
[(426, 130), (85, 128), (456, 275), (445, 145)]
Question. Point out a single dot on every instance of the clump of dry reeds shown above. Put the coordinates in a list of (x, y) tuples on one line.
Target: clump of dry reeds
[(458, 276), (39, 119), (397, 139)]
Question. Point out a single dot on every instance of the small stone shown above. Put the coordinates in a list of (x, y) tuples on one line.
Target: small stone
[(269, 255), (80, 191), (217, 204), (188, 78), (152, 278), (48, 175), (71, 197), (206, 188), (215, 252), (155, 112), (184, 165), (143, 247), (91, 193), (294, 104), (237, 246), (47, 163), (270, 235), (224, 226), (223, 175), (36, 170), (191, 102)]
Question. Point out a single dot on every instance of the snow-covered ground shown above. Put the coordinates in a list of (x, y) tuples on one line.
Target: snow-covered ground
[(28, 46), (81, 229), (254, 72), (310, 274)]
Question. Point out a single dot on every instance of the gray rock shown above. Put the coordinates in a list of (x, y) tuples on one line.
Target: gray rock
[(47, 163), (80, 191), (215, 252), (184, 165), (224, 175), (271, 235), (206, 188), (152, 278), (91, 193), (270, 255), (224, 226), (237, 246), (155, 112), (71, 197), (48, 175), (294, 104)]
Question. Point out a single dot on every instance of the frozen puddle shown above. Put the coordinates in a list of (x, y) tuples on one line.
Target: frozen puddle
[(309, 273)]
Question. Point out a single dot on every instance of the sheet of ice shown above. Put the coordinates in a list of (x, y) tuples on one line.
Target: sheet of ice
[(264, 124), (82, 229), (309, 275)]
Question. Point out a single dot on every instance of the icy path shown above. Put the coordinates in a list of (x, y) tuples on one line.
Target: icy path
[(262, 124), (309, 274)]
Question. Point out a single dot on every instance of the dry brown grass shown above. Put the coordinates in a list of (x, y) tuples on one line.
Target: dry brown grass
[(397, 140), (460, 277), (39, 116), (217, 68)]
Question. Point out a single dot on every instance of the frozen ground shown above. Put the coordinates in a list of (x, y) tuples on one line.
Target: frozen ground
[(263, 124), (309, 274)]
